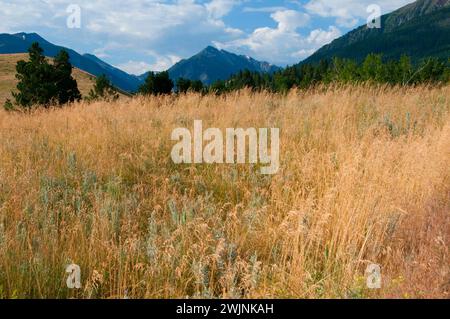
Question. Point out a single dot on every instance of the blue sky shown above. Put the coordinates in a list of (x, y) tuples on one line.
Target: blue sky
[(142, 35)]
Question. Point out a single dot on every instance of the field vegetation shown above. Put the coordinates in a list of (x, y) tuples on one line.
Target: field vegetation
[(364, 178)]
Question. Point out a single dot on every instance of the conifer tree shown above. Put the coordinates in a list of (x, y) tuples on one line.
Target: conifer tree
[(156, 84), (103, 90), (66, 86), (42, 83)]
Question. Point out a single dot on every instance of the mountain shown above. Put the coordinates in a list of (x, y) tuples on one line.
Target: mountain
[(20, 42), (212, 64), (420, 29), (208, 66)]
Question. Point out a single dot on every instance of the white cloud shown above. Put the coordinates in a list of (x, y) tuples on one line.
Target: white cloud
[(263, 9), (219, 8), (135, 67), (163, 63), (302, 54), (321, 37), (138, 34), (171, 27), (18, 15), (349, 13), (283, 44), (290, 20)]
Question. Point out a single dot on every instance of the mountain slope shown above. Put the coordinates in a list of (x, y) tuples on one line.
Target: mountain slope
[(20, 42), (420, 29), (212, 64)]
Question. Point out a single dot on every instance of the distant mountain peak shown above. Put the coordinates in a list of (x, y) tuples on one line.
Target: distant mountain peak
[(209, 65), (30, 36), (212, 64), (210, 51), (210, 48)]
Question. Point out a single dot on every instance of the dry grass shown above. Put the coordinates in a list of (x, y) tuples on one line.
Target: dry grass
[(364, 179), (8, 79)]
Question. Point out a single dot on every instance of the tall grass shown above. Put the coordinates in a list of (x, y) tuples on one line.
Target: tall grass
[(364, 178)]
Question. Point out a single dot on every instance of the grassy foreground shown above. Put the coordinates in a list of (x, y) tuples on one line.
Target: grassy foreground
[(364, 178)]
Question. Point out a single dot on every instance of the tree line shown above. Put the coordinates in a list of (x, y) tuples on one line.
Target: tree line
[(161, 83), (47, 84), (373, 69)]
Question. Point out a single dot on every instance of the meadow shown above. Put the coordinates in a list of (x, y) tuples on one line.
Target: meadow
[(364, 178)]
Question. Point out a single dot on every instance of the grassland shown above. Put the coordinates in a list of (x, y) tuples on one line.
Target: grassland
[(8, 79), (364, 178)]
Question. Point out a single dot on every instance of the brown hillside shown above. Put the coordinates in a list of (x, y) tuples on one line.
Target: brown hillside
[(8, 80)]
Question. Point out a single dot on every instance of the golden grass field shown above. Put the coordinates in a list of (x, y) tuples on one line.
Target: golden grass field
[(8, 79), (364, 178)]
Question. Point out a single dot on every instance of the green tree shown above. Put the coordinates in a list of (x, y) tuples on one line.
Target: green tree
[(431, 70), (35, 78), (218, 87), (186, 85), (405, 69), (41, 83), (66, 85), (446, 75), (344, 70), (156, 84), (183, 85), (373, 68), (197, 86), (103, 90)]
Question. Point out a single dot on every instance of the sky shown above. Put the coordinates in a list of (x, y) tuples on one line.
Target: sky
[(142, 35)]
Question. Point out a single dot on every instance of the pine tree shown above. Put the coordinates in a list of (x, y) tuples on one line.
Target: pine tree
[(156, 84), (197, 86), (103, 90), (36, 85), (66, 86), (41, 83), (405, 69), (183, 85), (372, 69)]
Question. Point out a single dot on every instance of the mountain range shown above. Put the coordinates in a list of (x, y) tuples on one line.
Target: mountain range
[(208, 66), (420, 29), (20, 42), (212, 64)]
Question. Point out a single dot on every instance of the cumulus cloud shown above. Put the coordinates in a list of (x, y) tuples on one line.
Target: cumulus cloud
[(171, 27), (163, 62), (320, 37), (348, 13), (284, 44), (19, 15), (141, 34), (135, 67), (263, 9), (290, 20), (219, 8)]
